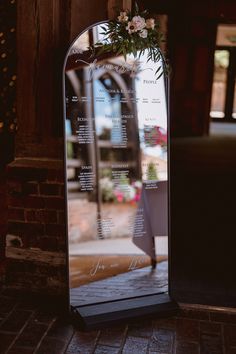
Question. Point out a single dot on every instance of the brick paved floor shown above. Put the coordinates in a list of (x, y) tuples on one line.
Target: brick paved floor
[(26, 329)]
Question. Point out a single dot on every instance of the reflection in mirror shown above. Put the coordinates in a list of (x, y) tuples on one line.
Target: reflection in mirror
[(117, 156)]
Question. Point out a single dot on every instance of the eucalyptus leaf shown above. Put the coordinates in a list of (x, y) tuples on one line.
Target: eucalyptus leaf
[(118, 40)]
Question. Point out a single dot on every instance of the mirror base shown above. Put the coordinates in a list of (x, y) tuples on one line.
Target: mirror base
[(88, 317)]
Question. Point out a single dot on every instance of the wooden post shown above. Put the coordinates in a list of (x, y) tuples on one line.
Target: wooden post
[(127, 4), (114, 5)]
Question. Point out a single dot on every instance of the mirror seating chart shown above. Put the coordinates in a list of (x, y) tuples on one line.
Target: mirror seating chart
[(117, 169)]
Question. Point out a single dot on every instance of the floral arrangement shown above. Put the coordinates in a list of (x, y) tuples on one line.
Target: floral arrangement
[(129, 192), (133, 33), (154, 135)]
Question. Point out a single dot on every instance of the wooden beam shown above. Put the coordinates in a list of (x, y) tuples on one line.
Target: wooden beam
[(84, 13), (127, 4), (36, 255), (114, 5)]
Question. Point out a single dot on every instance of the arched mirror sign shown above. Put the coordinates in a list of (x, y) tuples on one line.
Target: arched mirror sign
[(117, 173)]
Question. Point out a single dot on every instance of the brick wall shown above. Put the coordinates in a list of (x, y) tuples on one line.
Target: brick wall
[(3, 223), (36, 237)]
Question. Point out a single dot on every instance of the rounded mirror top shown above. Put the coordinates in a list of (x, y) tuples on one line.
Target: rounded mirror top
[(126, 45), (117, 150)]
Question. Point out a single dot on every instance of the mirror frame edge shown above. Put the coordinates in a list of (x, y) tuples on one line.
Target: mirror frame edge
[(167, 90)]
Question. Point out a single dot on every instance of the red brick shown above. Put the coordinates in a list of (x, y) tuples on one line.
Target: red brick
[(230, 335), (56, 175), (193, 313), (135, 345), (27, 281), (162, 342), (60, 329), (6, 339), (84, 341), (3, 231), (62, 190), (31, 335), (211, 343), (3, 202), (56, 203), (210, 327), (14, 201), (187, 329), (50, 216), (103, 349), (49, 243), (25, 173), (112, 336), (19, 350), (49, 189), (7, 303), (54, 230), (14, 187), (218, 316), (27, 202), (61, 217), (43, 216), (21, 228), (34, 202), (16, 320), (32, 241), (2, 255), (164, 323), (144, 329), (30, 188), (53, 345), (16, 214), (62, 244), (33, 215), (3, 218), (183, 347), (25, 241)]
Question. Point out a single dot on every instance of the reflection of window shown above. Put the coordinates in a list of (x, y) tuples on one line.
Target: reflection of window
[(219, 84), (223, 100)]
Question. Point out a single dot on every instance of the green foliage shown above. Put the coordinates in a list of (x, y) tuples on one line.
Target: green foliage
[(120, 40), (222, 58), (70, 150), (152, 172)]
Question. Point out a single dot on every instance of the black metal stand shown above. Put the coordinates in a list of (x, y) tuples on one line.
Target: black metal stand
[(100, 315)]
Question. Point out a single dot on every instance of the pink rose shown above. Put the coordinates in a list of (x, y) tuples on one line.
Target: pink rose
[(136, 24)]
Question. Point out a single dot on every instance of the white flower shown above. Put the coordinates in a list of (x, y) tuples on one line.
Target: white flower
[(130, 193), (106, 183), (150, 23), (130, 28), (138, 184), (123, 17), (143, 33), (138, 22)]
